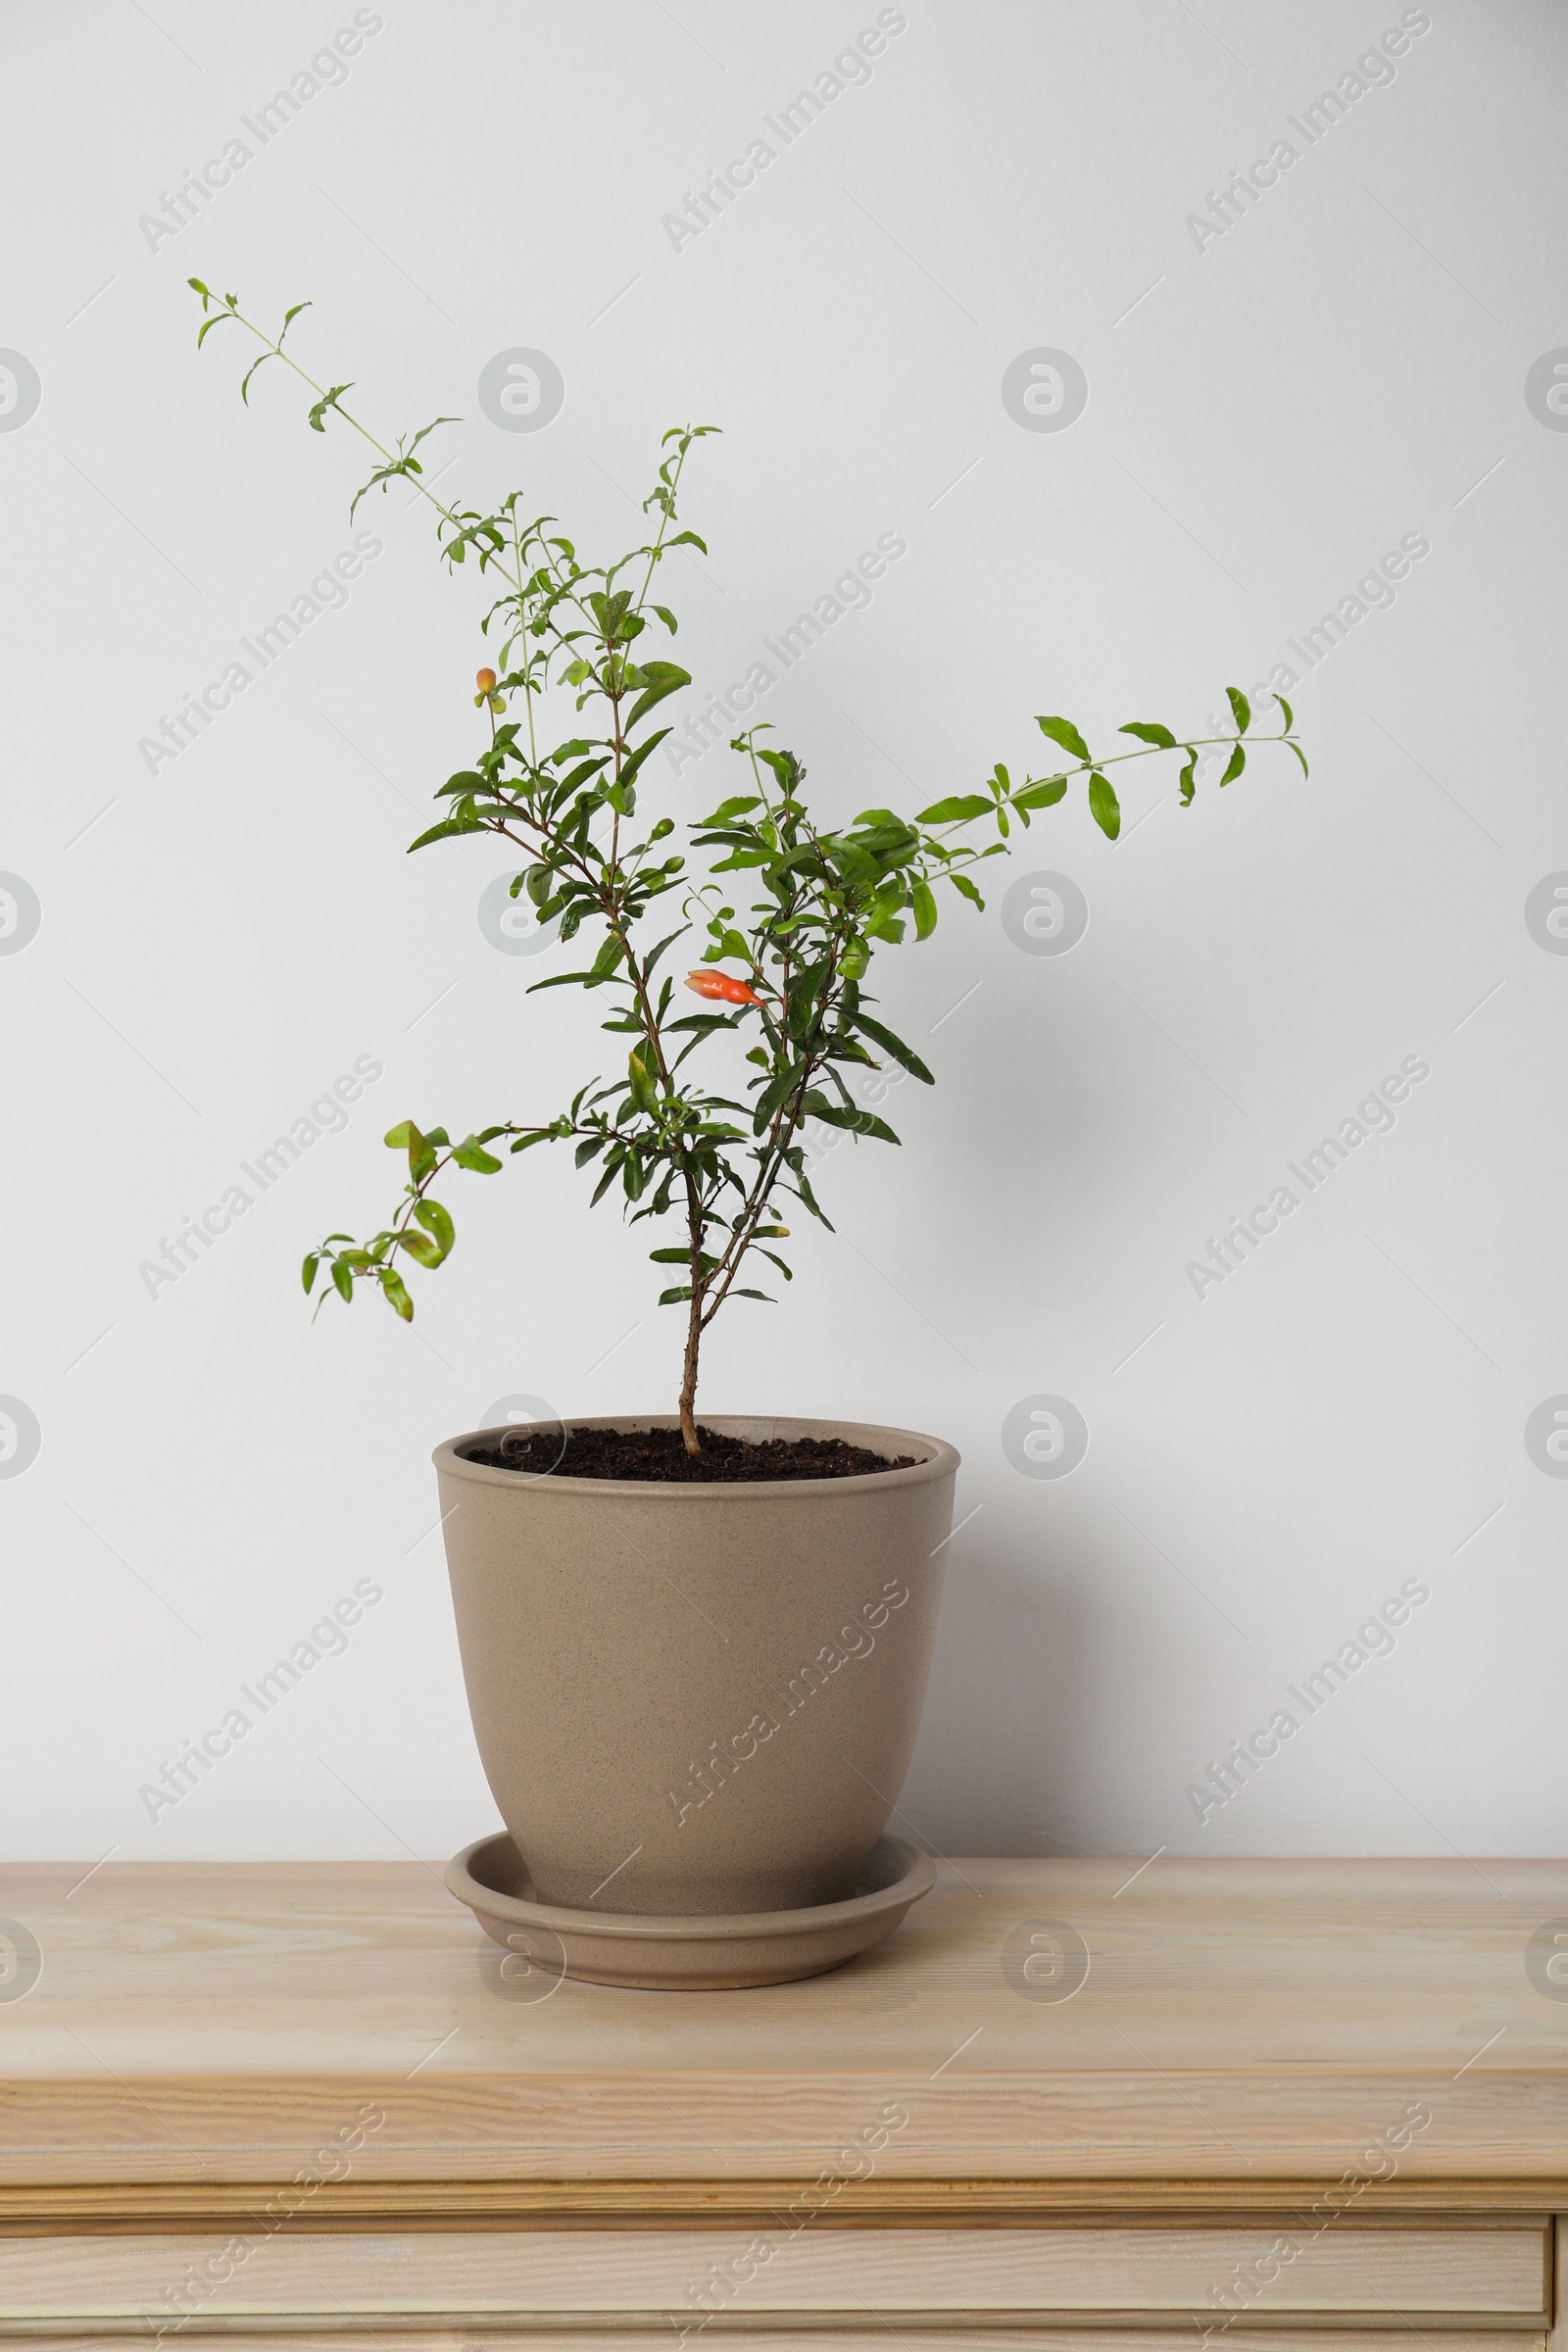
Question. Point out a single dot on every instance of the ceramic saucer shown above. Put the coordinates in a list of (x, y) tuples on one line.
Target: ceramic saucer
[(685, 1955)]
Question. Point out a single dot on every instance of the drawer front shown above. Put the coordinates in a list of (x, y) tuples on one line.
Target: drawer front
[(1230, 2279)]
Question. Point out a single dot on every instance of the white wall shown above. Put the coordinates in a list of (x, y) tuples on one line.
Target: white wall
[(1269, 412)]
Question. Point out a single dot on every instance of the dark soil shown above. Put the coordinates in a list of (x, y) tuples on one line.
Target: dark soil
[(660, 1455)]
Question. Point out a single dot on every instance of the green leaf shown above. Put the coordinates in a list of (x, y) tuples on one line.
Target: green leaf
[(342, 1278), (1103, 806), (663, 677), (858, 1122), (1301, 756), (1189, 775), (1234, 765), (925, 909), (894, 1047), (1062, 731), (650, 743), (397, 1296), (420, 1247), (245, 379), (673, 1298), (1286, 707), (957, 810), (308, 1270), (785, 767), (763, 1294), (317, 417), (609, 956), (404, 1137), (742, 858), (436, 1222), (802, 1187), (964, 883), (1241, 708), (702, 1022), (441, 832), (644, 1092), (669, 941), (1042, 795), (778, 1089), (470, 1153), (1150, 730), (421, 434)]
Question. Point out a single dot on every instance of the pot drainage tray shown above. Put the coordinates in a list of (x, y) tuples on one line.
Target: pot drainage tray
[(720, 1952)]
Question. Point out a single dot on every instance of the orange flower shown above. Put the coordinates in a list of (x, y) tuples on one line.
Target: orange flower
[(708, 982)]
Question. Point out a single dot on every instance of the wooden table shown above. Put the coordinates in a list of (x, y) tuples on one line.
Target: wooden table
[(1078, 2106)]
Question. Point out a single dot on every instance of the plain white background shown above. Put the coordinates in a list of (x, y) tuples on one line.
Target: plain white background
[(1269, 411)]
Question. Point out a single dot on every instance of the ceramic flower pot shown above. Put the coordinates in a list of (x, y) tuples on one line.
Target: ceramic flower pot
[(698, 1699)]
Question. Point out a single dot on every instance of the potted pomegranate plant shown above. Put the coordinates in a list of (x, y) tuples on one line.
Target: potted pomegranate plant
[(695, 1648)]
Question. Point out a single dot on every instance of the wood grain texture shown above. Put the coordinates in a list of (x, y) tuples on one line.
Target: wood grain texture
[(145, 2206), (858, 2334), (1244, 2024), (1462, 2273)]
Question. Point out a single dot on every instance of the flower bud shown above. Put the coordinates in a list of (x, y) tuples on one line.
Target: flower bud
[(705, 982)]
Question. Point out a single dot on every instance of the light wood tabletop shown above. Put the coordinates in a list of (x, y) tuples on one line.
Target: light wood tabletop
[(1180, 2028)]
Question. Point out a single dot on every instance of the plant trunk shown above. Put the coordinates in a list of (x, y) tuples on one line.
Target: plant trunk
[(694, 1319), (688, 1386)]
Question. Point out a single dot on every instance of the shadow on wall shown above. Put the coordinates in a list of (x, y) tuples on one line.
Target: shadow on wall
[(1009, 1718)]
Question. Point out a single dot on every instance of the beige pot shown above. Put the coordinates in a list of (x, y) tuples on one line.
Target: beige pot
[(693, 1699)]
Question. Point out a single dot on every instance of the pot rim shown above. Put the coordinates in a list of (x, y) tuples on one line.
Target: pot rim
[(940, 1459)]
